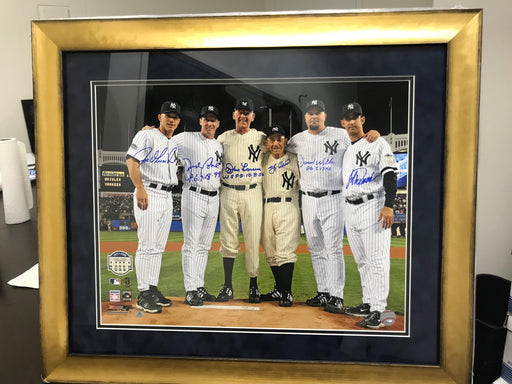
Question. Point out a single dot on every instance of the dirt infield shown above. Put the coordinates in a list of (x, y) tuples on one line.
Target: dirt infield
[(131, 246), (239, 313)]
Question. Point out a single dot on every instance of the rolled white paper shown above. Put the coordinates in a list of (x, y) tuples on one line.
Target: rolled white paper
[(16, 189)]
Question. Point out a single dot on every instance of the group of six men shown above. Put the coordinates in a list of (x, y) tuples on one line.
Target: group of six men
[(343, 176)]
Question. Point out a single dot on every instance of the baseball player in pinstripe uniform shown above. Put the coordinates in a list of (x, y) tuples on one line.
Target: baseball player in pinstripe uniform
[(281, 215), (152, 165), (320, 152), (369, 188), (201, 157), (241, 197)]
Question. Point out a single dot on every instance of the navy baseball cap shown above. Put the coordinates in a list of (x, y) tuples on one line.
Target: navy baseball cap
[(351, 108), (209, 109), (315, 104), (277, 129), (244, 104), (169, 107)]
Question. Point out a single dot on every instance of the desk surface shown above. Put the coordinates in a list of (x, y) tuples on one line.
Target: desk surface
[(20, 352)]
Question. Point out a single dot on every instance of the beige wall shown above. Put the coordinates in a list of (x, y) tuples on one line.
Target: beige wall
[(494, 206)]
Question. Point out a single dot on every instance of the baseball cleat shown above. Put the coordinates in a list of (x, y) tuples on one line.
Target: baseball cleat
[(192, 298), (147, 301), (273, 295), (334, 305), (204, 295), (372, 321), (319, 300), (286, 299), (161, 300), (225, 294), (362, 310), (254, 295)]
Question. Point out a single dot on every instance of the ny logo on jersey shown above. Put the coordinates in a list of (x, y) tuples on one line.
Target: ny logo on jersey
[(333, 148), (288, 180), (362, 159), (254, 153), (218, 157)]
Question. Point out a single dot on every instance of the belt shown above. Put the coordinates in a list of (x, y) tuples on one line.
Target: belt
[(240, 187), (167, 188), (277, 199), (320, 194), (360, 200), (203, 191)]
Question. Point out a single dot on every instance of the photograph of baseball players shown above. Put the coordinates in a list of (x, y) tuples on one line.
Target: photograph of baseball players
[(281, 215), (241, 198), (117, 226), (201, 157), (320, 151), (152, 164), (369, 189)]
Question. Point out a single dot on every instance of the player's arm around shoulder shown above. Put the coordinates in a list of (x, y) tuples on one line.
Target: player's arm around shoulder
[(372, 135)]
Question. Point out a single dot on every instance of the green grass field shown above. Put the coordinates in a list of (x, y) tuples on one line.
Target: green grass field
[(304, 285)]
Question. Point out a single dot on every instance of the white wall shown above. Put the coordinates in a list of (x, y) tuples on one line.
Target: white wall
[(494, 187), (494, 205)]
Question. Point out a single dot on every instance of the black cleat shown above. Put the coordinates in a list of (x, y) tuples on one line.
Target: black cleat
[(319, 300), (204, 295), (225, 294), (286, 299), (372, 321), (254, 295), (334, 305), (192, 298), (273, 295), (362, 310), (161, 300), (147, 301)]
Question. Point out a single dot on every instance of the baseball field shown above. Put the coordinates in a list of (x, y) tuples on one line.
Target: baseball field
[(304, 285)]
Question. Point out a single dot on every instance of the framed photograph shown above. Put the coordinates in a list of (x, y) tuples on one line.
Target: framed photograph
[(98, 82)]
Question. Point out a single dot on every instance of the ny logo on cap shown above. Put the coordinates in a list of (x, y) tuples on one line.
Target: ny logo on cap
[(350, 106), (314, 102), (244, 103), (173, 105), (275, 129), (211, 108)]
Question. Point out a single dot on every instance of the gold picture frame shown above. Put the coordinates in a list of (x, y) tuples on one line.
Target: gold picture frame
[(460, 30)]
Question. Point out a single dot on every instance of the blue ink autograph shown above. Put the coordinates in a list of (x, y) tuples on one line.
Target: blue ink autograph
[(273, 168), (359, 177), (316, 165), (233, 171), (205, 171), (165, 156)]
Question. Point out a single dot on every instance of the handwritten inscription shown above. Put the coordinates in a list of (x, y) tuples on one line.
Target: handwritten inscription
[(324, 164), (359, 176), (244, 170), (208, 170), (163, 157), (274, 167)]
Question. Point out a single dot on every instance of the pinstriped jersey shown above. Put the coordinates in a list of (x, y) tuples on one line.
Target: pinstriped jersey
[(364, 166), (156, 155), (280, 176), (242, 157), (320, 158), (201, 159)]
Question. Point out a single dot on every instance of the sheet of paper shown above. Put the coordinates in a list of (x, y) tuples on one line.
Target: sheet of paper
[(28, 279)]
